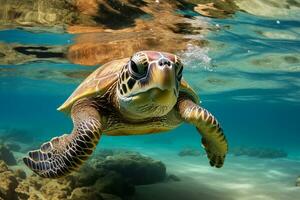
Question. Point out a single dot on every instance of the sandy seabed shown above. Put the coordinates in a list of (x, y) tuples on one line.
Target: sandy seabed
[(242, 178)]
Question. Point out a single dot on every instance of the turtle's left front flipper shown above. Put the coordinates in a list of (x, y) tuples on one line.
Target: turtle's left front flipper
[(64, 154), (213, 139)]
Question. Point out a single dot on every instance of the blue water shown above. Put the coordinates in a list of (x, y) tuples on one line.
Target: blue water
[(255, 116), (252, 86)]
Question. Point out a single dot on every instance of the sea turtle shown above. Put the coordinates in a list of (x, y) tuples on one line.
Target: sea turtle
[(139, 95)]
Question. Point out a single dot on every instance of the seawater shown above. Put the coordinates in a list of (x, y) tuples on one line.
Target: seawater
[(250, 82)]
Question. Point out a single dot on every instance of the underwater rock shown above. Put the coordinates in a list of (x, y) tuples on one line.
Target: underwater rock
[(34, 186), (298, 182), (110, 175), (114, 183), (259, 152), (189, 152), (103, 153), (136, 168), (8, 182), (172, 177), (7, 156), (103, 180)]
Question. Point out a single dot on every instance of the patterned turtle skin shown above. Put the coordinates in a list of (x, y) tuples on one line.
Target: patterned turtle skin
[(139, 95)]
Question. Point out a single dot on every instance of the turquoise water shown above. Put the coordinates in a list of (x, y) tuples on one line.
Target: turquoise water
[(248, 76)]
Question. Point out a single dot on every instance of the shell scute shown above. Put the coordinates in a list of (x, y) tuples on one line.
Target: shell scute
[(96, 83)]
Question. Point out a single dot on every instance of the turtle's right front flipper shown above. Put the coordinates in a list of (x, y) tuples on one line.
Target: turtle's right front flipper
[(213, 139), (64, 154)]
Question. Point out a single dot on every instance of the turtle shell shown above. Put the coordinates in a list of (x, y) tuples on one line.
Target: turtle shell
[(186, 88), (96, 83)]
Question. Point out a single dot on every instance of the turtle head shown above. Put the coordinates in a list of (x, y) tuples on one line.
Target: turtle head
[(149, 84)]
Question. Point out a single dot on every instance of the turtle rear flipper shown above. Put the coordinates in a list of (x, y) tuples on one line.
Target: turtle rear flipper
[(64, 154)]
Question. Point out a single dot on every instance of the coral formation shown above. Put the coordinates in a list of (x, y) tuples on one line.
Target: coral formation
[(259, 152), (189, 152), (8, 182), (109, 175)]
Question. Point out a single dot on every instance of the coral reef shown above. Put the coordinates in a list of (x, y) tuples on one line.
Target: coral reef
[(109, 175), (6, 155), (9, 182), (259, 152), (189, 152)]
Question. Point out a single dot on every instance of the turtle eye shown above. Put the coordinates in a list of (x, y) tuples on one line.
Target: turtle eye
[(138, 70)]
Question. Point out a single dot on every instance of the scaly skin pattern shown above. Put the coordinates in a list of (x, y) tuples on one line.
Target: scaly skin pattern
[(66, 153), (147, 95), (213, 139)]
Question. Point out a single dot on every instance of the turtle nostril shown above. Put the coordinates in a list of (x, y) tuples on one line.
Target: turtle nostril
[(164, 62)]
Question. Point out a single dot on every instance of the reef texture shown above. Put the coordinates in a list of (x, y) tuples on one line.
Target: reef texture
[(259, 152), (9, 182), (109, 175), (189, 152)]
